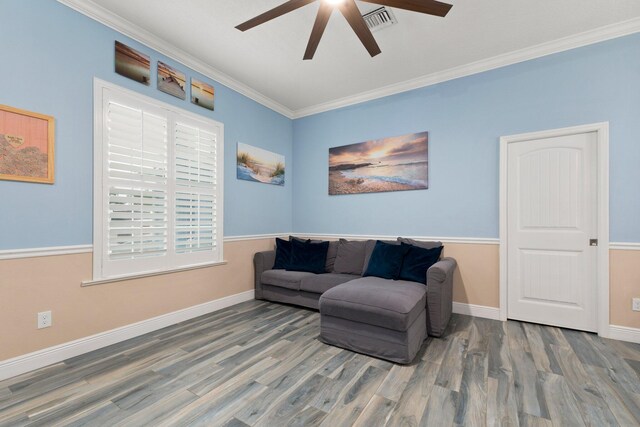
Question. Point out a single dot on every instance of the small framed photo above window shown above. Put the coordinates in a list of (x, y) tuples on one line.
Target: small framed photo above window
[(26, 146), (171, 81), (132, 64), (202, 94)]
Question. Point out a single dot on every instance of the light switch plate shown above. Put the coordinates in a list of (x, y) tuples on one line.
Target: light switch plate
[(636, 304)]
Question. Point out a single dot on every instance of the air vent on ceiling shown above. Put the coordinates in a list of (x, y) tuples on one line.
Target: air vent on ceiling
[(379, 18)]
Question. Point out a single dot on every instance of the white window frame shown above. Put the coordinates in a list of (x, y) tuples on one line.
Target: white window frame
[(103, 269)]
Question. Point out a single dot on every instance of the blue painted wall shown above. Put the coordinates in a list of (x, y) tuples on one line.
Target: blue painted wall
[(49, 55), (465, 119)]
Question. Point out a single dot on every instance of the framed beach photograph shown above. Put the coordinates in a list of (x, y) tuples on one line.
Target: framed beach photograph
[(171, 81), (258, 165), (26, 146), (391, 164), (202, 94), (132, 64)]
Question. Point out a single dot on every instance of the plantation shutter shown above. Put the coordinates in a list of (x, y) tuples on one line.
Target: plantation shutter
[(196, 187), (157, 196), (137, 173)]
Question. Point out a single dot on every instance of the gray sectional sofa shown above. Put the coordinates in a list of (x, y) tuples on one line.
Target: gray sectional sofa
[(380, 317)]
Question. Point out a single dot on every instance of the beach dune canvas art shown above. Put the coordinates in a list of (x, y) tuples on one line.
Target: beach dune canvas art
[(258, 165), (391, 164)]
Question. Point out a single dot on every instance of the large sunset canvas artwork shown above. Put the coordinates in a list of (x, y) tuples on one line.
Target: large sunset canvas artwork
[(391, 164)]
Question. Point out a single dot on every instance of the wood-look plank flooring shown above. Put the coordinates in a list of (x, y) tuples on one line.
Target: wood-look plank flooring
[(261, 364)]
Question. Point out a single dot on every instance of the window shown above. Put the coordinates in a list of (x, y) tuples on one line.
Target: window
[(158, 186)]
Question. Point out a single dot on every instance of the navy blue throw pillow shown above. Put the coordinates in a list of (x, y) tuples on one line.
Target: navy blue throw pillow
[(307, 256), (417, 261), (386, 260), (283, 254)]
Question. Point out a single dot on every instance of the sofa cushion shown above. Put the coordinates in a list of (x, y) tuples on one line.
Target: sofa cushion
[(284, 279), (370, 246), (321, 283), (350, 257), (307, 256), (386, 260), (417, 261), (331, 256), (419, 243), (392, 304)]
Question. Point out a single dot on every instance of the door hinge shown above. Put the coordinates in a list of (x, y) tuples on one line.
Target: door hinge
[(593, 242)]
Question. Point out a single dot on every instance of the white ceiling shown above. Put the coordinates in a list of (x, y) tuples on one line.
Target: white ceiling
[(268, 58)]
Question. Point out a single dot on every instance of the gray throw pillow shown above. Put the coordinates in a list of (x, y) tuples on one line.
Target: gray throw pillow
[(369, 250), (331, 256), (350, 257), (420, 244)]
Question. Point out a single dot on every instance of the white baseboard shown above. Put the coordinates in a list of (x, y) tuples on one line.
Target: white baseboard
[(41, 358), (477, 310), (624, 333)]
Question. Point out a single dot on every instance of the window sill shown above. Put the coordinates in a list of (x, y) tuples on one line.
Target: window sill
[(149, 274)]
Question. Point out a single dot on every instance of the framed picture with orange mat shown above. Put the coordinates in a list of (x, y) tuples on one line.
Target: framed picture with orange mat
[(26, 146)]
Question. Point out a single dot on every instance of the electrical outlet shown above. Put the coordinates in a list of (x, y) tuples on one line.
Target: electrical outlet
[(636, 304), (44, 319)]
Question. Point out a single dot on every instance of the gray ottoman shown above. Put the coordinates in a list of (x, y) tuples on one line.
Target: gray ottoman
[(379, 317)]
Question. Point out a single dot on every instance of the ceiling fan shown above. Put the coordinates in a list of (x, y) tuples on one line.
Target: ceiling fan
[(350, 11)]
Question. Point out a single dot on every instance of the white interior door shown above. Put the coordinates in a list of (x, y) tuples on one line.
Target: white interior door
[(551, 217)]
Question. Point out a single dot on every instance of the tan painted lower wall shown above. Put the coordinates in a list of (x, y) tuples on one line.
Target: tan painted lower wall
[(477, 278), (624, 267), (31, 285)]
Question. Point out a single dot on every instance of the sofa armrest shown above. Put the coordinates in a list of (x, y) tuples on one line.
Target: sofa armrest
[(440, 295), (262, 261)]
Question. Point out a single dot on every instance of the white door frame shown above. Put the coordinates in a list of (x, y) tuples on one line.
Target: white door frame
[(602, 135)]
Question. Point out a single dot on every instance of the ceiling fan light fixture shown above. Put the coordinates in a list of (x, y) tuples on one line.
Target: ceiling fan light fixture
[(352, 14)]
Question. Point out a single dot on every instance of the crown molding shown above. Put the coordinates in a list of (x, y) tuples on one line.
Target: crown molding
[(111, 20), (560, 45), (98, 13)]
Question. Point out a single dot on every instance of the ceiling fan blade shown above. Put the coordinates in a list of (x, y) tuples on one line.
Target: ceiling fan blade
[(431, 7), (318, 29), (354, 18), (287, 7)]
